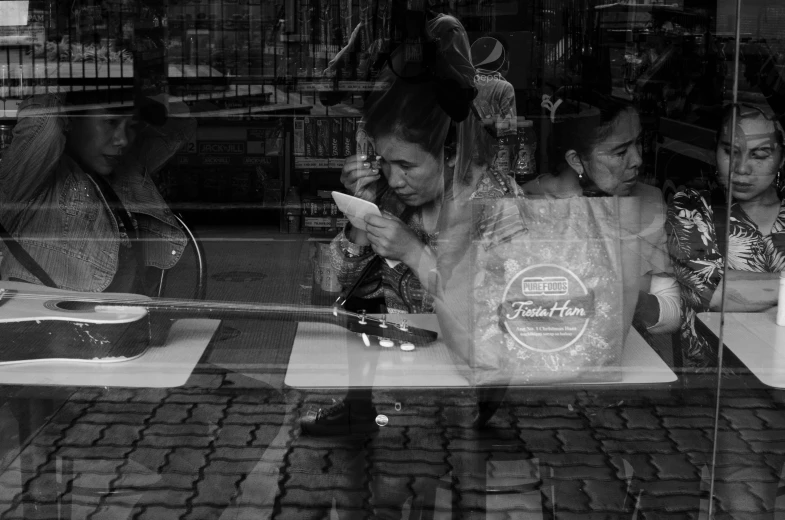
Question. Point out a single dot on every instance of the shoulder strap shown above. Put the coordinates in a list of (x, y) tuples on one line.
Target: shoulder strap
[(34, 268), (24, 258)]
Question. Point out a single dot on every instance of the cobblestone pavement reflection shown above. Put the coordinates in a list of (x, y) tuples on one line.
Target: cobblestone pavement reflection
[(208, 450)]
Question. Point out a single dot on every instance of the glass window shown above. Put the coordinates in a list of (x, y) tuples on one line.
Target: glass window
[(391, 259)]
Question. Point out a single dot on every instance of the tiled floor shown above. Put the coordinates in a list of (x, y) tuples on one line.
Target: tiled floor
[(228, 447), (207, 450)]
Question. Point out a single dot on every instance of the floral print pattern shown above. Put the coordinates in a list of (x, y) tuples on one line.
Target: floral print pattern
[(698, 261)]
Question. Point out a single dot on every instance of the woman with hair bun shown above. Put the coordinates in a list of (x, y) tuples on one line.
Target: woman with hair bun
[(422, 139)]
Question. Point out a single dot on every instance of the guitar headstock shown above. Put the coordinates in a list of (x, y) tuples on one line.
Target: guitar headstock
[(382, 329)]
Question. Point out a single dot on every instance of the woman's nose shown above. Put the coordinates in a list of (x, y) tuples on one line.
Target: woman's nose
[(636, 159), (742, 166), (396, 178), (120, 137)]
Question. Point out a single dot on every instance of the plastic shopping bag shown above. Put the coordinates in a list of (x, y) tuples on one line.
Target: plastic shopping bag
[(539, 291)]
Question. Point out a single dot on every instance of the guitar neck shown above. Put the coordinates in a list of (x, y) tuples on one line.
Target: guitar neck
[(70, 306), (223, 310), (281, 312)]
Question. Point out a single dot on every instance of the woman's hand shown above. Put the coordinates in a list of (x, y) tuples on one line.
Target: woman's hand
[(391, 238), (359, 176)]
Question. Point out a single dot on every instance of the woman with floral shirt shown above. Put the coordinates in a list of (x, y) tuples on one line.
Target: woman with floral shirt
[(755, 239)]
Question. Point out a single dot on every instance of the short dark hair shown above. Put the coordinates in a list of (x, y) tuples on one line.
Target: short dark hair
[(411, 112)]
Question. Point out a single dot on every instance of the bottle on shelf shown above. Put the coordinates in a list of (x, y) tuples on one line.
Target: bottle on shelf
[(292, 210), (25, 83), (505, 132), (526, 161)]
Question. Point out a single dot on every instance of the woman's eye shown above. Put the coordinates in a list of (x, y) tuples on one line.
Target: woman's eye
[(760, 156)]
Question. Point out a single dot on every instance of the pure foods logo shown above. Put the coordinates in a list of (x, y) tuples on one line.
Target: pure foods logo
[(546, 308), (551, 286)]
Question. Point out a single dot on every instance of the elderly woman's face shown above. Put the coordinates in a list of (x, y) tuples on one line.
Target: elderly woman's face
[(614, 162), (97, 140), (411, 171), (757, 156)]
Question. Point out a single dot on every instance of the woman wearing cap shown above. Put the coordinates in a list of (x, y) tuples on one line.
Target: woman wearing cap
[(67, 162), (755, 239)]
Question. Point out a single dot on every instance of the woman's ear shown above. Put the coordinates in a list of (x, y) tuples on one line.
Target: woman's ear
[(574, 160)]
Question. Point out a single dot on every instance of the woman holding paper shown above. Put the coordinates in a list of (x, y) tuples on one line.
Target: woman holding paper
[(414, 131), (410, 126), (405, 179)]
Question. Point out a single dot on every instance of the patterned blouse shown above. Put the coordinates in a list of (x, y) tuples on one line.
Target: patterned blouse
[(698, 261), (402, 290)]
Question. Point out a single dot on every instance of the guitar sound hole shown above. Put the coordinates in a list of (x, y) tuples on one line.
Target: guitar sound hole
[(71, 306)]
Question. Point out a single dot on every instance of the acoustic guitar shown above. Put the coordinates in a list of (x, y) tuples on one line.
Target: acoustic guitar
[(38, 323)]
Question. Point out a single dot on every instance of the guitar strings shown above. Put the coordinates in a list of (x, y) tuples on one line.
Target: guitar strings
[(11, 294)]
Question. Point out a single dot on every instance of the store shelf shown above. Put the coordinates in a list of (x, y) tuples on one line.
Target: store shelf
[(329, 85), (314, 163), (222, 206)]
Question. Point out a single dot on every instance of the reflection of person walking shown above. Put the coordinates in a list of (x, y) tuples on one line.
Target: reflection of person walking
[(407, 181)]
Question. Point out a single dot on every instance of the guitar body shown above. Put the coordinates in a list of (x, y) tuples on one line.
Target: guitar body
[(39, 323)]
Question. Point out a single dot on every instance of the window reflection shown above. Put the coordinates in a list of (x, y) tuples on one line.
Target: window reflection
[(554, 291)]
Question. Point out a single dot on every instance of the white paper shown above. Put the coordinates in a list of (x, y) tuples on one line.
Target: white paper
[(355, 210)]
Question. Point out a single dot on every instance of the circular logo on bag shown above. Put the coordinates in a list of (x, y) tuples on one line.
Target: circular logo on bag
[(546, 308)]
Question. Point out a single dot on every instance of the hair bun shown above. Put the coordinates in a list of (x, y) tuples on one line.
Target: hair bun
[(454, 77)]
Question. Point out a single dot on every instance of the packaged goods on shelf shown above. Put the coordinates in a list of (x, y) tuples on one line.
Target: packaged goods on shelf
[(274, 140), (309, 124), (349, 143), (320, 207), (322, 137), (299, 137), (336, 137), (318, 223)]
